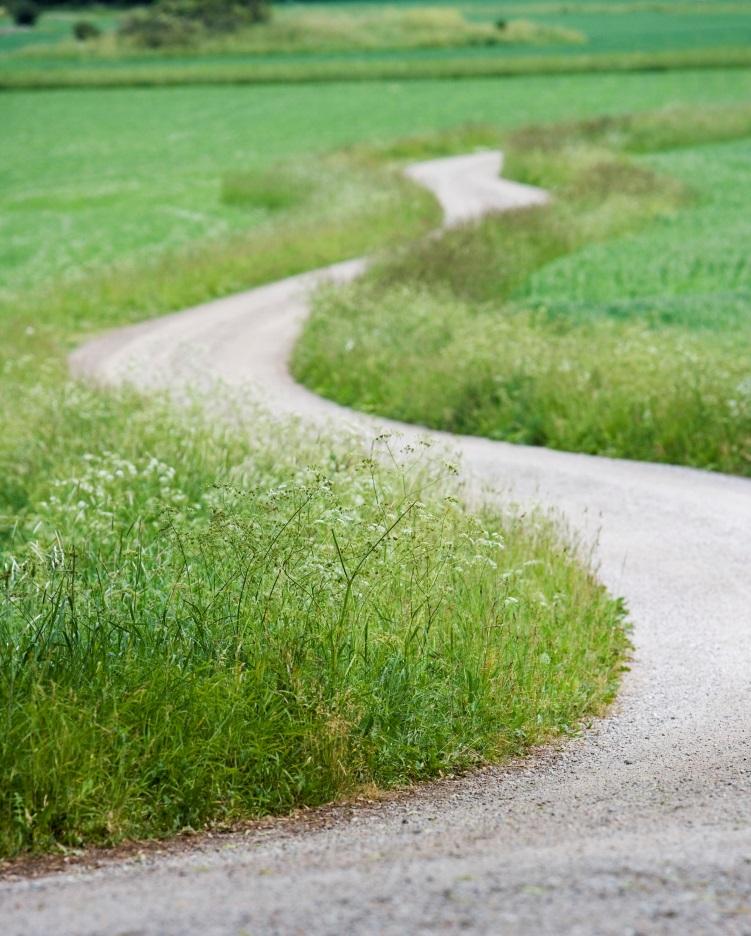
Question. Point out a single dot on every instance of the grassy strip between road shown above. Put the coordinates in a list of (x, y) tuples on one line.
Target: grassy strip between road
[(202, 624), (18, 74), (608, 322)]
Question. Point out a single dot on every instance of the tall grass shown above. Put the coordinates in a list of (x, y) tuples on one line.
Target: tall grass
[(474, 332), (198, 628)]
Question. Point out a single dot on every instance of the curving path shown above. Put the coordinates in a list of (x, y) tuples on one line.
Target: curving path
[(639, 826)]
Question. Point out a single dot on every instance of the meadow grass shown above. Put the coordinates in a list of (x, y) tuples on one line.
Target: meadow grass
[(96, 179), (219, 69), (200, 624), (609, 322)]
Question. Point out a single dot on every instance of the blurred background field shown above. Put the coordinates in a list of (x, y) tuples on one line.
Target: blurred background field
[(96, 177), (325, 40)]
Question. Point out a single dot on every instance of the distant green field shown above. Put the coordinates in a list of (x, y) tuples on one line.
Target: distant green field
[(89, 178), (630, 27), (670, 34), (692, 269)]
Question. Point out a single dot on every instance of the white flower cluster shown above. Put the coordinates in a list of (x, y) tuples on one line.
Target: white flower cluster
[(106, 486)]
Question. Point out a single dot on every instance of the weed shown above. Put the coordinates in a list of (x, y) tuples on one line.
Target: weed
[(197, 628)]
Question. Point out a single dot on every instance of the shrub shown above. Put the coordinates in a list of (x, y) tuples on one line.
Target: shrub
[(220, 15), (84, 30), (24, 12), (155, 29), (268, 189), (183, 22)]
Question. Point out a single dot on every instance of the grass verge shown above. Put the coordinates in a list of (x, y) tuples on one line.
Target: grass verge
[(197, 628), (18, 75), (528, 327)]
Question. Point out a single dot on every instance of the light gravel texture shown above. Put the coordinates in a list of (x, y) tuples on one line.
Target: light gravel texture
[(641, 825)]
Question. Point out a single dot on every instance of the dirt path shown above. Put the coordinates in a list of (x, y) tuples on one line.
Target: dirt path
[(640, 826)]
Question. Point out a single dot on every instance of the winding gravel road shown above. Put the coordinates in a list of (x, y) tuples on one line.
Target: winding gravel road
[(639, 826)]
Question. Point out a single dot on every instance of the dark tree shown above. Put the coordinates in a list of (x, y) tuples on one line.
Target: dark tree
[(24, 12)]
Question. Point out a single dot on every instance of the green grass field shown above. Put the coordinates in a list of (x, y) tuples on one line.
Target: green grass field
[(327, 42), (199, 626), (146, 166)]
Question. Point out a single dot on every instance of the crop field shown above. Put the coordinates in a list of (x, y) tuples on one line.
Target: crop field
[(410, 40), (146, 166), (200, 625)]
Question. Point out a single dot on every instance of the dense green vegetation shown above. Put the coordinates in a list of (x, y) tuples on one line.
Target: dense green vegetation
[(197, 629), (187, 23), (335, 41), (614, 321)]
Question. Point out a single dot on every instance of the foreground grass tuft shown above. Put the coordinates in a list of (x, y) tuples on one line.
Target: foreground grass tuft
[(198, 629)]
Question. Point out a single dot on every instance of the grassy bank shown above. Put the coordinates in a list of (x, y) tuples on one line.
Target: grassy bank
[(219, 71), (198, 629), (110, 181), (611, 322)]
